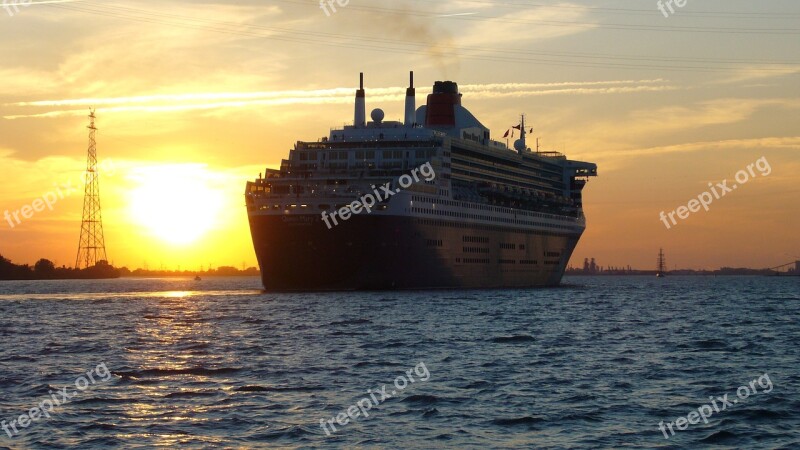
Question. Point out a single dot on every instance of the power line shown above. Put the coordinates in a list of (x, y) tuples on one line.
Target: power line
[(716, 14), (566, 23), (408, 47)]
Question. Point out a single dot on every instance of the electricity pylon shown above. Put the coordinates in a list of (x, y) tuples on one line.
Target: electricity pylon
[(92, 246)]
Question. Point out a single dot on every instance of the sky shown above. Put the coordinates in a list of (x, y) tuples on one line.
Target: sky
[(195, 98)]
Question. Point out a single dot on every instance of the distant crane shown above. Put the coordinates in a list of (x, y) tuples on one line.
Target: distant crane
[(782, 266), (795, 271)]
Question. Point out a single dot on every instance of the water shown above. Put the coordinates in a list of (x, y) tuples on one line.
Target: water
[(219, 364)]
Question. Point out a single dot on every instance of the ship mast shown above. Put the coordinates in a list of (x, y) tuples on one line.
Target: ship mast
[(662, 264), (520, 145)]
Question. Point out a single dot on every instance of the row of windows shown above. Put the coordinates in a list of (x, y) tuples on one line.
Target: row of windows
[(479, 240), (494, 160), (529, 262), (475, 260), (393, 154), (476, 250), (480, 227), (322, 207), (344, 165), (365, 155), (546, 180), (498, 209), (488, 218), (500, 180), (553, 254), (476, 239), (432, 201), (361, 155), (425, 153)]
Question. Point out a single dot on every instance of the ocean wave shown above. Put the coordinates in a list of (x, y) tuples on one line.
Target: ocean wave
[(518, 421), (720, 437), (513, 339), (199, 371), (421, 399)]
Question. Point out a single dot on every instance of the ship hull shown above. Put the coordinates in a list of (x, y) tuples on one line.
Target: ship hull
[(376, 252)]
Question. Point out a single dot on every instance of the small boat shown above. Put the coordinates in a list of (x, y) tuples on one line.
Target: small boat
[(197, 278)]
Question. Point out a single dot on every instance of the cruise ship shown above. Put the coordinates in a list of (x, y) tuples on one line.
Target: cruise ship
[(343, 212)]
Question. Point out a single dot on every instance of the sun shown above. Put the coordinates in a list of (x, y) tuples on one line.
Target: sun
[(177, 204)]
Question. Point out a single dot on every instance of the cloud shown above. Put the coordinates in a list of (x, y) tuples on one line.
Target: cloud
[(644, 126), (516, 26), (782, 143), (759, 72), (341, 95)]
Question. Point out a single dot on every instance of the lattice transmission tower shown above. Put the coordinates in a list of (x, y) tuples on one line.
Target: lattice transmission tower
[(92, 246)]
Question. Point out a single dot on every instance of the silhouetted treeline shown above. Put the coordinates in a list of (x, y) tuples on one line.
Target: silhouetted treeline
[(224, 271), (44, 269)]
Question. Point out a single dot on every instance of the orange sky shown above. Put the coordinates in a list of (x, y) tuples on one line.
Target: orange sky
[(195, 98)]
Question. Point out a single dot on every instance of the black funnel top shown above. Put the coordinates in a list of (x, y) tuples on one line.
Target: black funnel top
[(445, 87)]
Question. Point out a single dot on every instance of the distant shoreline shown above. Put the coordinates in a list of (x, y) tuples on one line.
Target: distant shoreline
[(45, 269), (670, 274), (725, 271)]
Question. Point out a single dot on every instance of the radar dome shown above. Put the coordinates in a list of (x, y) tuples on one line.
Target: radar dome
[(377, 115), (519, 145)]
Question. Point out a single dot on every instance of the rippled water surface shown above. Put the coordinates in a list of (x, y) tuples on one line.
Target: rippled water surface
[(217, 363)]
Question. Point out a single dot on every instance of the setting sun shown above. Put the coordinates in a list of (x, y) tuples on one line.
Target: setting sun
[(176, 204)]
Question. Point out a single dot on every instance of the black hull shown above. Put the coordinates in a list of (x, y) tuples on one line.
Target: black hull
[(299, 253)]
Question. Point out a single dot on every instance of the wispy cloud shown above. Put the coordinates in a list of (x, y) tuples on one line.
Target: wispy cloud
[(341, 95), (782, 143), (759, 72), (42, 2)]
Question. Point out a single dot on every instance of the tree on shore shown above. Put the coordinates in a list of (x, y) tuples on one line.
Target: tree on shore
[(44, 269)]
